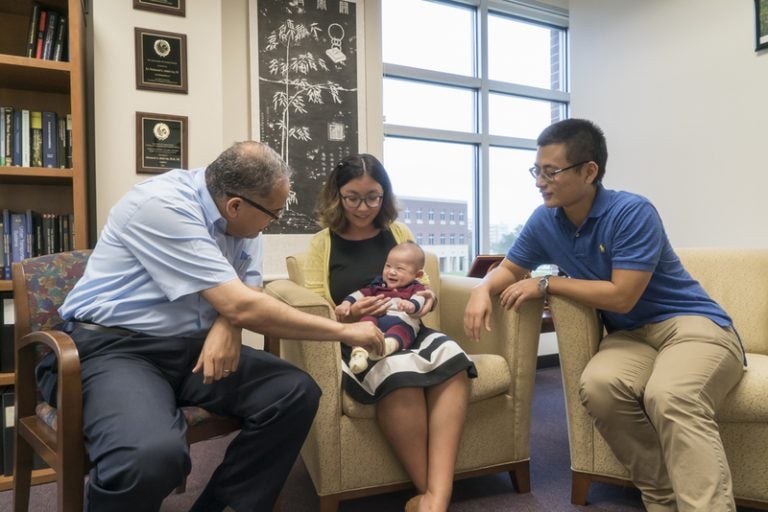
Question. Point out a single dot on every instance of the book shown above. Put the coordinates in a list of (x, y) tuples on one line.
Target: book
[(33, 224), (32, 34), (61, 142), (18, 237), (25, 138), (3, 254), (7, 421), (68, 142), (51, 24), (50, 140), (66, 244), (2, 136), (16, 158), (36, 138), (40, 34), (6, 336), (60, 41), (7, 243), (8, 135)]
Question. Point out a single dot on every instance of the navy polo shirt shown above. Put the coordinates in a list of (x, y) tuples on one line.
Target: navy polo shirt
[(622, 231)]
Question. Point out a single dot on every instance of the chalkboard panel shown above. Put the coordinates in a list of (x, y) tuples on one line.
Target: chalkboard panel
[(307, 80)]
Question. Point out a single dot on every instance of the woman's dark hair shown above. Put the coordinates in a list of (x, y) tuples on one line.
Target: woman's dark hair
[(329, 210), (583, 139)]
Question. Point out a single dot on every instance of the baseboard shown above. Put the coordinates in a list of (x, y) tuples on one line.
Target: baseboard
[(547, 361)]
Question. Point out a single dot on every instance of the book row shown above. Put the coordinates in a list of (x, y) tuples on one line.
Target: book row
[(47, 36), (31, 138), (30, 233)]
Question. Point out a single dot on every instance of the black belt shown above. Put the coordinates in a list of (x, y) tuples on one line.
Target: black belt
[(70, 326)]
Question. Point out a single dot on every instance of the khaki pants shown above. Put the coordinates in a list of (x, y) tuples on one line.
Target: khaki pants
[(653, 393)]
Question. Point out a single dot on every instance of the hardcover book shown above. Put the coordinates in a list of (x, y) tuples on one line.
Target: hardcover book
[(51, 24), (32, 34), (50, 140), (16, 158), (26, 146), (36, 138)]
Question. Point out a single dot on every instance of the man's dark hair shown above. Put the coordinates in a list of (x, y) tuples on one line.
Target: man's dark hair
[(249, 167), (583, 139), (330, 211)]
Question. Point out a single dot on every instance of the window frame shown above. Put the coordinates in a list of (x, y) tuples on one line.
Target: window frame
[(481, 139)]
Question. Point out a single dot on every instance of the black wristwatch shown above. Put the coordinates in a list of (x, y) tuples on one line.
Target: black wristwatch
[(544, 285)]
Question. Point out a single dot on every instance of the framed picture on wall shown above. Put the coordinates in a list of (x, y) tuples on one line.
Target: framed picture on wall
[(306, 90), (161, 142), (175, 7), (761, 24), (161, 60)]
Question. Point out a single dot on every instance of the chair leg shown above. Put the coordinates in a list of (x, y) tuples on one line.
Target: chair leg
[(22, 470), (521, 478), (70, 487), (329, 503), (580, 483)]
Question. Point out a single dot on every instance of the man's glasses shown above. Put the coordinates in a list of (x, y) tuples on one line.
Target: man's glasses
[(549, 175), (371, 201), (274, 216)]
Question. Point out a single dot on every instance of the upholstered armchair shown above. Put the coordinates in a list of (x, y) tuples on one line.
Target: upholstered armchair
[(345, 436), (738, 281)]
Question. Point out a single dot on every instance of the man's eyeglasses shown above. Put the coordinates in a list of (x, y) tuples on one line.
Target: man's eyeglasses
[(371, 201), (549, 175), (274, 216)]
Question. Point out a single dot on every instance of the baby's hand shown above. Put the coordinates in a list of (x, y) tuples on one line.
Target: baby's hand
[(407, 306), (342, 311)]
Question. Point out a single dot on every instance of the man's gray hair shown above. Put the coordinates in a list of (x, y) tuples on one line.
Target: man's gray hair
[(248, 167)]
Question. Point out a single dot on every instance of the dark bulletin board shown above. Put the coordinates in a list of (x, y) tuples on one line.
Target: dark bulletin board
[(307, 90)]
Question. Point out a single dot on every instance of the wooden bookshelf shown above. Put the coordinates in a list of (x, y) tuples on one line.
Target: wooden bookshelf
[(44, 85)]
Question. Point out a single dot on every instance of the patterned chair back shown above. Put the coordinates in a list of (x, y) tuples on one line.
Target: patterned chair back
[(40, 285)]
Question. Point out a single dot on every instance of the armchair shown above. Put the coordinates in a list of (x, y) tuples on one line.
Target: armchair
[(738, 281), (40, 285), (345, 435)]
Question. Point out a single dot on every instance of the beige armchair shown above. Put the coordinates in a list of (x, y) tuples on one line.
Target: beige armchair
[(345, 453), (738, 281)]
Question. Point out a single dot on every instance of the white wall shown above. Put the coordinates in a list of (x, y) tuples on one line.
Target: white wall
[(116, 99), (680, 93)]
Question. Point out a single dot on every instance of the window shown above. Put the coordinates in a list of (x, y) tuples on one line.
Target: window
[(460, 127)]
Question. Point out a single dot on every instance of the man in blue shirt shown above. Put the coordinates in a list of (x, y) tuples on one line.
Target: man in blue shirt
[(157, 319), (671, 354)]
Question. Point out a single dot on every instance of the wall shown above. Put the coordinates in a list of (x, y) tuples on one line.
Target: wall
[(680, 93), (116, 99)]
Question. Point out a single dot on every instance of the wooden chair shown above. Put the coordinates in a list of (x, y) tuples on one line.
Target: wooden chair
[(39, 287)]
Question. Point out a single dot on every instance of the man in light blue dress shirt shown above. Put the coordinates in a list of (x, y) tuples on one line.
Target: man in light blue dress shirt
[(157, 318)]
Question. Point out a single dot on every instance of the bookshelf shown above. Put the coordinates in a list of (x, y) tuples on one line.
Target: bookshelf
[(45, 85)]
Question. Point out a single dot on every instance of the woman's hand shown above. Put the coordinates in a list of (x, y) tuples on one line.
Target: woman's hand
[(430, 301)]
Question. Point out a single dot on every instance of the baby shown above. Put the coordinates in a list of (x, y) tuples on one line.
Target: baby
[(399, 281)]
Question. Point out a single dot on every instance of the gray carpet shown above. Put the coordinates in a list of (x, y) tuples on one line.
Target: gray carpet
[(550, 476)]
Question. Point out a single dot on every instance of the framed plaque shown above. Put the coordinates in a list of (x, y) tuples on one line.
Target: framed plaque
[(161, 142), (175, 7), (161, 61)]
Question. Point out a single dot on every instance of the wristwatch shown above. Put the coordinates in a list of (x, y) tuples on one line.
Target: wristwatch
[(544, 285)]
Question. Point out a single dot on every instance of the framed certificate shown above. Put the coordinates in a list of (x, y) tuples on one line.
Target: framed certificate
[(161, 61), (161, 142), (175, 7)]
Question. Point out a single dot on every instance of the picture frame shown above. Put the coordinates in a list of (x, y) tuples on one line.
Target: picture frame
[(173, 7), (161, 60), (761, 25), (161, 142)]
